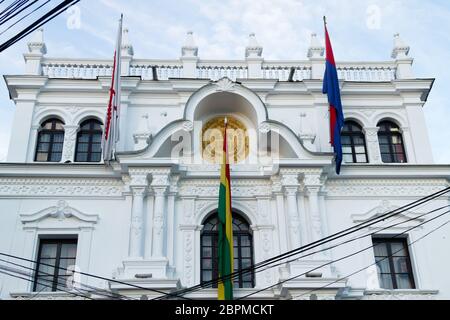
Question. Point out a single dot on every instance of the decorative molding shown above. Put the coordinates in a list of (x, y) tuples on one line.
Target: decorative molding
[(385, 207), (70, 138), (61, 211), (384, 187), (60, 187), (225, 85)]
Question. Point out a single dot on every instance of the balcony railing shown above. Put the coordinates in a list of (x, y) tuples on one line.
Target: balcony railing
[(214, 70)]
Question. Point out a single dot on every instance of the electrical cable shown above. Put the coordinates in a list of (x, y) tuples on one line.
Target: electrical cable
[(18, 277), (58, 282), (94, 276), (318, 243), (53, 13), (344, 242), (340, 259), (360, 270), (6, 19), (24, 17)]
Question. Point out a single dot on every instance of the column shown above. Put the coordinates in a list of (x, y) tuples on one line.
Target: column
[(291, 185), (312, 185), (33, 142), (20, 139), (158, 221), (160, 184), (419, 133), (314, 213), (409, 145), (173, 191), (373, 146), (70, 138), (137, 215), (294, 222)]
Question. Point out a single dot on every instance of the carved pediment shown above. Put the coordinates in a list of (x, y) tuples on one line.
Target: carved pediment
[(61, 211), (407, 217)]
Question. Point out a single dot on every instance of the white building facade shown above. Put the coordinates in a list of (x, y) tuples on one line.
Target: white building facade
[(147, 219)]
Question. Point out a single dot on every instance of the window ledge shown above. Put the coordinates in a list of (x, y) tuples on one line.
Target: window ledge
[(401, 294), (46, 296)]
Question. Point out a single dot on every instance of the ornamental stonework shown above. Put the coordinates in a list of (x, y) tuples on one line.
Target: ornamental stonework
[(10, 187)]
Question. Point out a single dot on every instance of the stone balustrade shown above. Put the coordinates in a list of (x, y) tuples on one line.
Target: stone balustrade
[(164, 70)]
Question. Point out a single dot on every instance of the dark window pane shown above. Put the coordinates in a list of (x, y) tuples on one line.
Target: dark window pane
[(242, 250), (51, 256), (403, 281), (383, 265), (393, 264), (386, 281)]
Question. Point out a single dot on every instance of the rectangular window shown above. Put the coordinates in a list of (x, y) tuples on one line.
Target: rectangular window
[(54, 257), (393, 263)]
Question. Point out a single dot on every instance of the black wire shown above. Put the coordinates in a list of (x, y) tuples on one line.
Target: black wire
[(18, 277), (94, 276), (353, 239), (9, 7), (360, 270), (343, 243), (12, 11), (109, 294), (343, 258), (53, 13), (16, 14), (315, 244), (24, 17)]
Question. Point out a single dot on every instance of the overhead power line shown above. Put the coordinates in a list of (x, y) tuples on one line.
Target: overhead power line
[(389, 256), (53, 13), (317, 243), (340, 259), (90, 290), (16, 12), (24, 17), (43, 284), (94, 276)]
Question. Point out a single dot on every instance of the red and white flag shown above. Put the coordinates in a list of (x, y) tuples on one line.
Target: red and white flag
[(111, 134)]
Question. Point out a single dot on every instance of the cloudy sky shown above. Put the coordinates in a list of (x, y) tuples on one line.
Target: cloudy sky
[(361, 30)]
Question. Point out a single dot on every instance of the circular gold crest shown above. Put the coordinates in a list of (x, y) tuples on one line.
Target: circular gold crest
[(212, 140)]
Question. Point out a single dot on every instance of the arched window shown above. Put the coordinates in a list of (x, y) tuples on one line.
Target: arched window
[(50, 141), (243, 251), (391, 143), (89, 142), (353, 143)]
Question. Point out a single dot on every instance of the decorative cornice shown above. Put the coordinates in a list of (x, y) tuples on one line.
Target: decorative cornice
[(61, 211)]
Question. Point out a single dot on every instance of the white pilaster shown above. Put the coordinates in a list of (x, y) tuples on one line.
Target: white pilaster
[(136, 228), (291, 185), (70, 139), (373, 145)]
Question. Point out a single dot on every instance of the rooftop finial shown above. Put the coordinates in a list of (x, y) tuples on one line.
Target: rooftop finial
[(189, 48), (127, 47), (37, 45), (316, 49), (253, 48), (401, 49)]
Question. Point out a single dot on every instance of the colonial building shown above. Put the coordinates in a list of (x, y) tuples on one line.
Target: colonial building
[(147, 221)]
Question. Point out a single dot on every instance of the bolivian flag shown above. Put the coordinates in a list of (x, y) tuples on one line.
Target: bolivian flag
[(225, 245)]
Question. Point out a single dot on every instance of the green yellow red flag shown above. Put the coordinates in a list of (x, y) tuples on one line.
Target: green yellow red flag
[(225, 243)]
